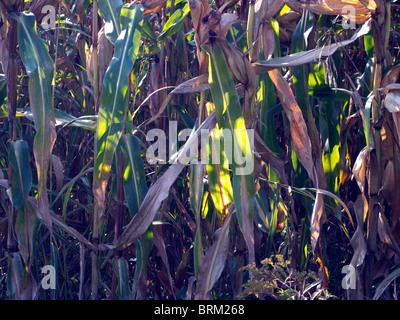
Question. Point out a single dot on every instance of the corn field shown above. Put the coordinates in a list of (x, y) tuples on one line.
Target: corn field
[(199, 149)]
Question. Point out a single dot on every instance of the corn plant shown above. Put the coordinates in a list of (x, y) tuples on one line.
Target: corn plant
[(172, 149)]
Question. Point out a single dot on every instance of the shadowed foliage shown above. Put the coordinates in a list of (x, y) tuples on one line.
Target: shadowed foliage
[(195, 149)]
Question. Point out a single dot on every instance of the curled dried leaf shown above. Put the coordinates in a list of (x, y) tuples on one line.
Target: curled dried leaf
[(196, 84), (389, 182), (360, 167), (358, 241), (353, 10), (238, 64), (268, 40), (58, 170), (105, 51), (392, 104)]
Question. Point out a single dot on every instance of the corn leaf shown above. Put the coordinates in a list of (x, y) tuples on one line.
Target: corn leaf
[(196, 200), (385, 283), (25, 220), (174, 23), (300, 58), (18, 156), (114, 100), (121, 268), (220, 185), (39, 67), (214, 261), (135, 187), (159, 191), (110, 11), (21, 185), (229, 116), (135, 190)]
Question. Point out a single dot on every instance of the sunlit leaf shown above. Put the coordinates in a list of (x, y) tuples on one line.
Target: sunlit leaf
[(229, 116), (110, 11), (174, 23), (114, 100)]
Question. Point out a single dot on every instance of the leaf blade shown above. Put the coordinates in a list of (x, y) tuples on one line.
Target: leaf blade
[(39, 67), (114, 100), (229, 116)]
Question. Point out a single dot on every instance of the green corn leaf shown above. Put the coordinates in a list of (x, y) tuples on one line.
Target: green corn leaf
[(262, 211), (174, 23), (300, 73), (110, 11), (122, 270), (143, 249), (135, 187), (385, 283), (214, 261), (220, 185), (64, 119), (114, 99), (21, 185), (18, 156), (229, 116), (196, 200), (39, 67)]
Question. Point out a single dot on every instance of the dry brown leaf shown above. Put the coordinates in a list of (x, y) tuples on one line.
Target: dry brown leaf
[(360, 168), (357, 241), (389, 183), (238, 64), (303, 148), (263, 11), (193, 85), (362, 9), (391, 76), (156, 82), (223, 5), (298, 128), (268, 40), (199, 9), (227, 20), (58, 170), (385, 234), (304, 57), (289, 20), (158, 192), (392, 104), (105, 51), (358, 244), (317, 219), (151, 4), (159, 243), (61, 224)]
